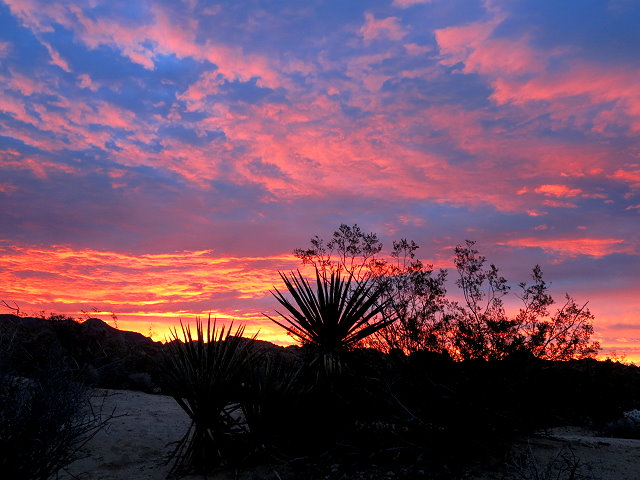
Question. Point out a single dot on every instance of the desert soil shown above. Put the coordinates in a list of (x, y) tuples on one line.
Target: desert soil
[(135, 446)]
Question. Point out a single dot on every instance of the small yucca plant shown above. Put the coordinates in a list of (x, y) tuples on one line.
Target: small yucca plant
[(204, 376), (334, 317)]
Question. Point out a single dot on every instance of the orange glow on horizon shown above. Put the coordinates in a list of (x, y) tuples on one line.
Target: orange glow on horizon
[(152, 293)]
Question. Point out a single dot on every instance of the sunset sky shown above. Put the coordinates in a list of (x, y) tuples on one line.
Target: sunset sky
[(161, 159)]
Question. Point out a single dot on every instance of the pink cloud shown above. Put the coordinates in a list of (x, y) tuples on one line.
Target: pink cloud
[(5, 49), (582, 93), (56, 58), (629, 174), (472, 45), (574, 94), (165, 34), (408, 3), (39, 168), (385, 28), (536, 213), (558, 204), (16, 109), (85, 81), (26, 85), (319, 149), (415, 49), (572, 247), (312, 144), (208, 84)]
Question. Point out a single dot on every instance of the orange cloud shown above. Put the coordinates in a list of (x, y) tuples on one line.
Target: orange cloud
[(7, 188), (558, 191), (141, 289)]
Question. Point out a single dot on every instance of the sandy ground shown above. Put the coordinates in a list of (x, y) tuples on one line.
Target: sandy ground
[(596, 457), (553, 454), (137, 442)]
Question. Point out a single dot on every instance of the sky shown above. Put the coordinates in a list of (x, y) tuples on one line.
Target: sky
[(162, 159)]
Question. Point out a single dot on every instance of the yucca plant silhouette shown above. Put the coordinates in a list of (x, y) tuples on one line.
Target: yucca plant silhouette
[(204, 376), (334, 317)]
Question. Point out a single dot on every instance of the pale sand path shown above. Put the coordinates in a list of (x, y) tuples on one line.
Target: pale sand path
[(135, 445), (603, 457), (598, 458)]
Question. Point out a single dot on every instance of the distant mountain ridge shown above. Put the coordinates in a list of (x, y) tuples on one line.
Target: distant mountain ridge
[(101, 354)]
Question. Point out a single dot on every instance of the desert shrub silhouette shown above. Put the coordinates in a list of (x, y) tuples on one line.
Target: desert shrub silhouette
[(423, 318), (479, 327), (44, 419), (412, 292), (204, 374)]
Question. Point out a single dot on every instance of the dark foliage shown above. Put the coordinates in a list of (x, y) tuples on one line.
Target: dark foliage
[(422, 318), (44, 422), (44, 418), (423, 415), (411, 293), (333, 318), (204, 374), (480, 327), (428, 413)]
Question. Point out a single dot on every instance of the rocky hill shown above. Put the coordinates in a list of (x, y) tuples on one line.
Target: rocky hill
[(98, 353)]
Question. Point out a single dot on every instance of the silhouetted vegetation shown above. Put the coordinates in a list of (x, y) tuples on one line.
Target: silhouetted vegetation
[(45, 418), (411, 293), (333, 318), (204, 375), (419, 415), (422, 318), (480, 327)]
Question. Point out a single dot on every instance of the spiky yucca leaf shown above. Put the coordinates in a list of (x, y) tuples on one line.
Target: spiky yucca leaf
[(203, 375), (334, 316)]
